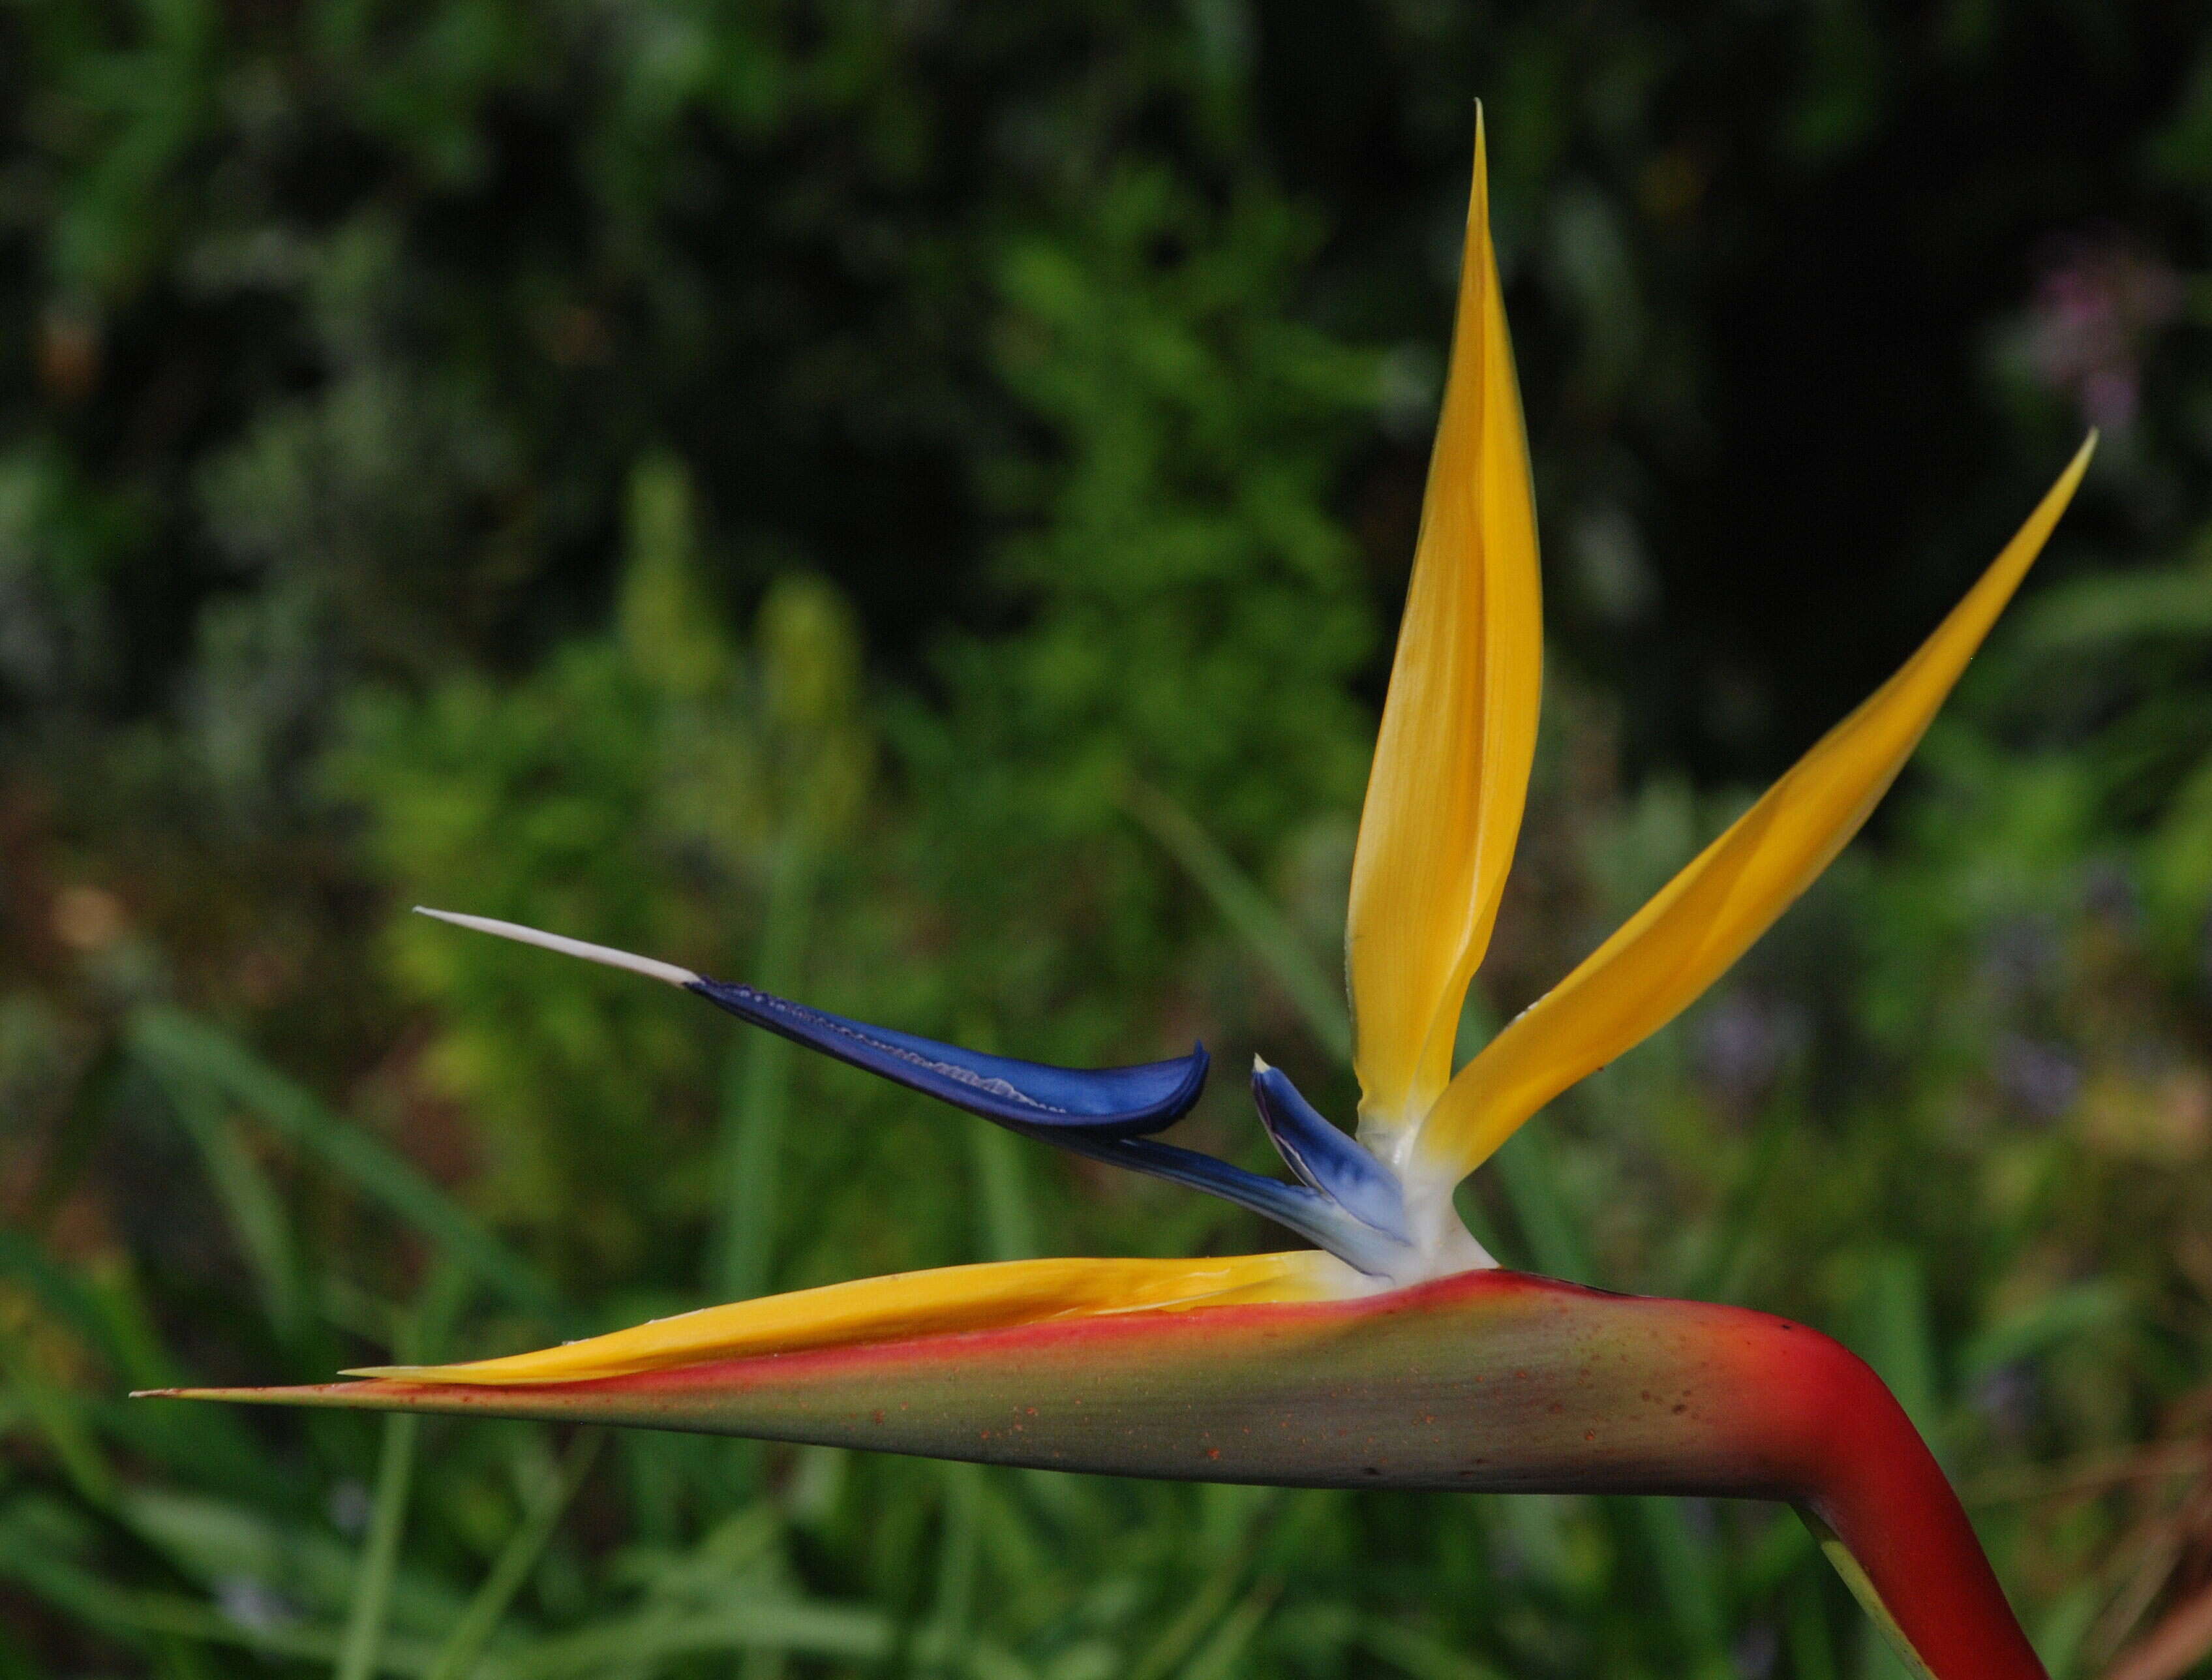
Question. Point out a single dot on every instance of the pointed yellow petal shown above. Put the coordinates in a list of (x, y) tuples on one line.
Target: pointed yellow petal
[(1704, 918), (996, 1296), (1459, 729)]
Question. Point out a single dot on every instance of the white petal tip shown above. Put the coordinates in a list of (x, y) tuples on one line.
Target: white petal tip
[(653, 969)]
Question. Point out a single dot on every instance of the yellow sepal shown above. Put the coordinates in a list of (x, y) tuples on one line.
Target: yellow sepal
[(1459, 727), (1704, 919), (994, 1296)]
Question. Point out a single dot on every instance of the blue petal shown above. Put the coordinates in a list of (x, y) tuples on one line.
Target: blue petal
[(1101, 1102), (1334, 1162), (1299, 1207)]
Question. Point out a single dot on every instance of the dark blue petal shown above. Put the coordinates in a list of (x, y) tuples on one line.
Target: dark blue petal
[(1298, 1207), (1101, 1102), (1329, 1159)]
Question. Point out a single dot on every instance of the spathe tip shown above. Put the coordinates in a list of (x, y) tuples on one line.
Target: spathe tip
[(230, 1394), (651, 967)]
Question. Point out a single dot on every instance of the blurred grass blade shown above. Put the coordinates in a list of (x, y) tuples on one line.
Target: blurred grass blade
[(1250, 913), (1897, 1339), (940, 1646), (756, 1091), (1221, 1655), (1006, 1219), (178, 1050), (380, 1559), (60, 1419), (1183, 1635), (134, 1616), (1689, 1580), (104, 1312), (256, 1211), (422, 1337), (1548, 1233), (2062, 1316), (836, 1632), (2174, 1647), (2164, 602), (215, 1542), (67, 1299), (1717, 1251), (1422, 1655), (2064, 1629), (457, 1659), (1553, 1234), (1809, 1640)]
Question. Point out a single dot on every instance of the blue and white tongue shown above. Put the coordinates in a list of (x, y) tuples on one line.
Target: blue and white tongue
[(1106, 1102), (1347, 1201)]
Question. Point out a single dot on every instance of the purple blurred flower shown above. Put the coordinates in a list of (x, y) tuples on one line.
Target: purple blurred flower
[(2007, 1398), (2108, 892), (253, 1605), (2096, 306), (1754, 1650), (2021, 956), (1739, 1047), (349, 1507), (2039, 1081)]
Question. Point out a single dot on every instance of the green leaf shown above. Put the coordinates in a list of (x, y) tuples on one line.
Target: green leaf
[(179, 1050)]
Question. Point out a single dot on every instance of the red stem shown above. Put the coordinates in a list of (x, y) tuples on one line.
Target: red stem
[(1863, 1473)]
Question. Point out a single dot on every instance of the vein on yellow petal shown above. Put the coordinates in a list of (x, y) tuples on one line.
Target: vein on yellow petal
[(1451, 766), (1704, 919), (994, 1296)]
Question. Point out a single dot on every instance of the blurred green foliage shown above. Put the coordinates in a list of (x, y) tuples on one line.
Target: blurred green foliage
[(906, 504)]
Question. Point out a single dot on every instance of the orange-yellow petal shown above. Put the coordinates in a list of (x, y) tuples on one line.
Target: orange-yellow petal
[(994, 1296), (1704, 919), (1459, 727)]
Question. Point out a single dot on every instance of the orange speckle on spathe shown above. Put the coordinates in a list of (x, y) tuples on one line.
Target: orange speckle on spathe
[(1213, 1453)]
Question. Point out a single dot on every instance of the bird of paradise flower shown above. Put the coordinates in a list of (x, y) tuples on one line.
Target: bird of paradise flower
[(1394, 1353)]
